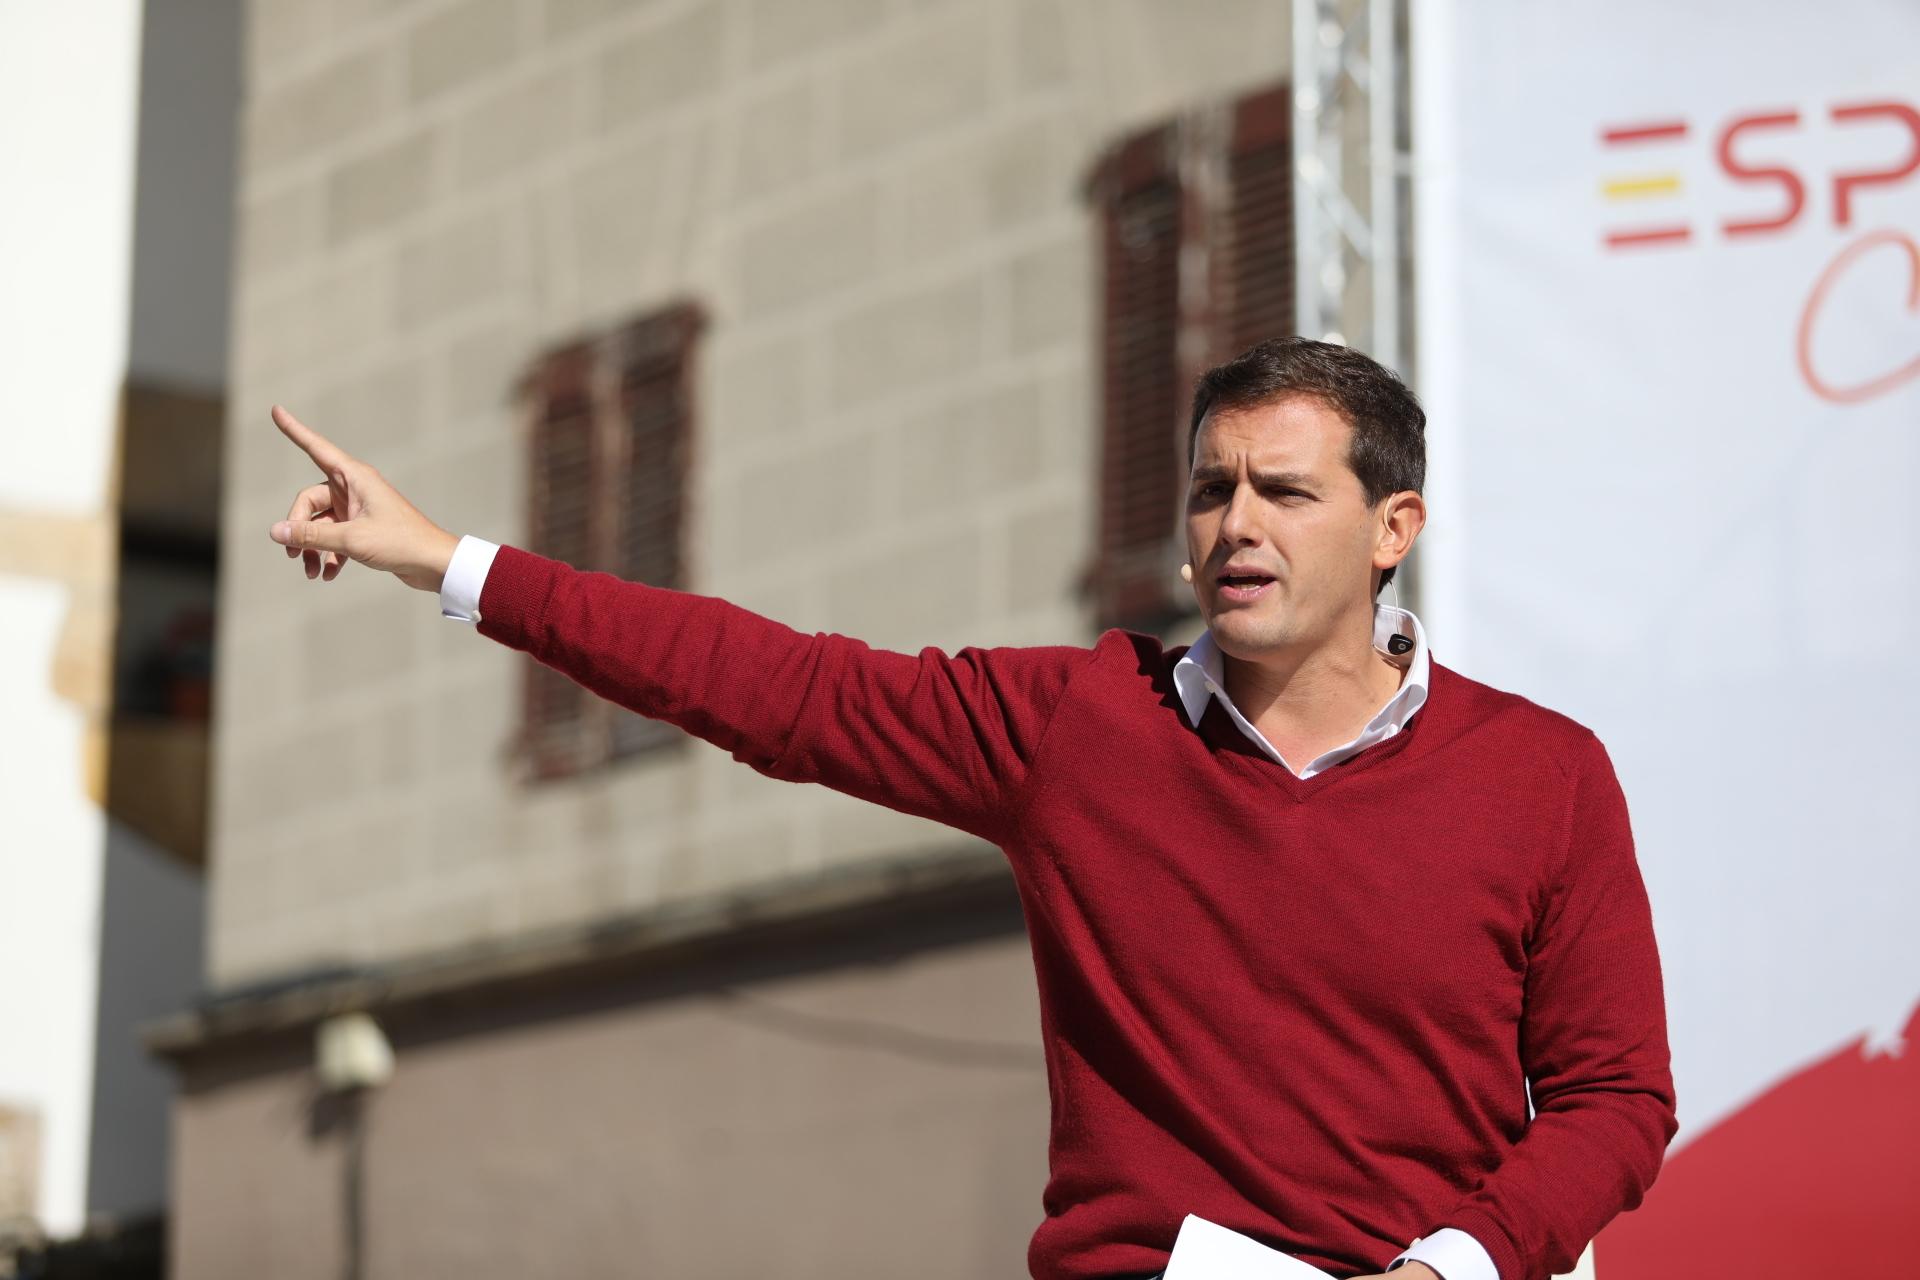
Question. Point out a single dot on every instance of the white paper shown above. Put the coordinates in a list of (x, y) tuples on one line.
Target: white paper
[(1208, 1251)]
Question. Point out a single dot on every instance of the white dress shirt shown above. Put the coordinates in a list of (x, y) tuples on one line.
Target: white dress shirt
[(1200, 674), (1197, 676), (466, 574)]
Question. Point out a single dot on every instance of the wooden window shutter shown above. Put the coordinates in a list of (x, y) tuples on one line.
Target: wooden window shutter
[(610, 436), (1198, 258), (1254, 274), (561, 461), (1137, 188), (653, 408)]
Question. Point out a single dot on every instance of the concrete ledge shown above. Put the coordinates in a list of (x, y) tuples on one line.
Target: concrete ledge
[(792, 915)]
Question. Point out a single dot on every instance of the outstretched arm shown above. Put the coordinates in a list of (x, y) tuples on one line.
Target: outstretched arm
[(944, 737), (1593, 1043), (948, 738)]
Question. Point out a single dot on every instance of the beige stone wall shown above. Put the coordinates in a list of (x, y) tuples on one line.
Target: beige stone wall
[(880, 1118), (878, 202)]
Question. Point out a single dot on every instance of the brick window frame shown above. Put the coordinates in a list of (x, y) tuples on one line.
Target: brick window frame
[(609, 423), (1197, 255)]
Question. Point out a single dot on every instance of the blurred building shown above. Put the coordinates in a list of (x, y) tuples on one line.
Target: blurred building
[(875, 316), (114, 243)]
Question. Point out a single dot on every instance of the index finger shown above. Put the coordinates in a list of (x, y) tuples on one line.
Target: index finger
[(330, 456)]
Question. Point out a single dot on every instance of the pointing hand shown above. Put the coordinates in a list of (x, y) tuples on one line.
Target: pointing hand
[(356, 515)]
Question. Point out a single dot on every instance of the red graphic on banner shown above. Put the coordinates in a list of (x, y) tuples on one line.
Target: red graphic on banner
[(1810, 315), (1740, 154), (1793, 190), (1844, 183), (1654, 185), (1819, 1176)]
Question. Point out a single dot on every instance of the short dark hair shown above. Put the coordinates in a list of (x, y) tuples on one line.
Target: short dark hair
[(1387, 448)]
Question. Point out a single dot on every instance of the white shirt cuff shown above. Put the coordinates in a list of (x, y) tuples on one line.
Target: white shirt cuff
[(1453, 1253), (466, 575)]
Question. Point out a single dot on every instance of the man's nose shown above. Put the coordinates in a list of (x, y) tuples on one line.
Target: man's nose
[(1237, 524)]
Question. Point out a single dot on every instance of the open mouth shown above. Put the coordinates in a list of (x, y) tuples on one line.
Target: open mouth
[(1239, 587)]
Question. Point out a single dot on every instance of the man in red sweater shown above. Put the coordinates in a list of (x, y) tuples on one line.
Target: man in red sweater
[(1316, 1003)]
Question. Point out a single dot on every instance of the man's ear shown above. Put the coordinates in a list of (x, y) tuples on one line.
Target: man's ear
[(1402, 516)]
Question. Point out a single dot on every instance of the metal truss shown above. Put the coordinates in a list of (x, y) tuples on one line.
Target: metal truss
[(1351, 168)]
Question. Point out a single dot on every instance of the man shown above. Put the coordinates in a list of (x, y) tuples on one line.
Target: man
[(1306, 1002)]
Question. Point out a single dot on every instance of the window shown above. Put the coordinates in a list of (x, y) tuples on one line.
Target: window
[(165, 593), (1198, 261), (610, 424)]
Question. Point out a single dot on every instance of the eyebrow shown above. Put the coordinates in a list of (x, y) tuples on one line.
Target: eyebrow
[(1214, 471)]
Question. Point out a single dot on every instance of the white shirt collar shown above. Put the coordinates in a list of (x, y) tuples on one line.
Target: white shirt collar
[(1199, 675)]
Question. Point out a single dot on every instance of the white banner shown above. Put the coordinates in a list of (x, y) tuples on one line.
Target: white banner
[(1668, 263)]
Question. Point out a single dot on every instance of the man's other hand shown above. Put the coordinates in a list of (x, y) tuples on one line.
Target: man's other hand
[(356, 515), (1408, 1270)]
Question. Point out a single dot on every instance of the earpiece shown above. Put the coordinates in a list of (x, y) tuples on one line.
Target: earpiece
[(1186, 572)]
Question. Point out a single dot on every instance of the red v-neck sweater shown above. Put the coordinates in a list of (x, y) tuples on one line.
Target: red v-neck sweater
[(1305, 1010)]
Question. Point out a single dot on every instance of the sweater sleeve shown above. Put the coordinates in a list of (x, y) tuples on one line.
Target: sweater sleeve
[(943, 737), (1593, 1044)]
